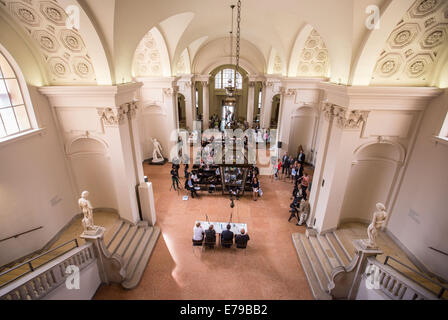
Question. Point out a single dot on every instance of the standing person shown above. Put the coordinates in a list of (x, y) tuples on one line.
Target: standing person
[(285, 164), (186, 170), (293, 173), (279, 166), (305, 181), (301, 157), (290, 162), (175, 178), (255, 188)]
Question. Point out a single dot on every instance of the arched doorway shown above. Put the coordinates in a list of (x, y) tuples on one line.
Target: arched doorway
[(221, 113), (275, 110), (374, 171), (302, 131), (181, 111)]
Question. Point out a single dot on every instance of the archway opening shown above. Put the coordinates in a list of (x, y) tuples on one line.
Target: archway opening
[(275, 110), (181, 111), (372, 178)]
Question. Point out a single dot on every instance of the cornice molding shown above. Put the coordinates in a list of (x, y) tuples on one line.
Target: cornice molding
[(90, 96), (379, 98)]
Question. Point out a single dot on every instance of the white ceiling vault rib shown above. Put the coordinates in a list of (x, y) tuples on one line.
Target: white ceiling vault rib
[(173, 28)]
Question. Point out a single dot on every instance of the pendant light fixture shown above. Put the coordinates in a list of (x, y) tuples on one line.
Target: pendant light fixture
[(231, 89)]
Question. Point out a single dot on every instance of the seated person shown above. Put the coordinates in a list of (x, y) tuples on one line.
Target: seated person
[(198, 234), (241, 239), (194, 176), (227, 237), (210, 235), (189, 185)]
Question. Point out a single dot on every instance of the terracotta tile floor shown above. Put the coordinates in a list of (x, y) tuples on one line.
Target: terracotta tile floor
[(269, 270)]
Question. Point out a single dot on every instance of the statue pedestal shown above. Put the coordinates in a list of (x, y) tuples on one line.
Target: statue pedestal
[(156, 163), (97, 232)]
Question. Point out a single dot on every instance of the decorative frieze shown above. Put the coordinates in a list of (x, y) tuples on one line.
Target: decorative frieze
[(344, 118), (113, 117)]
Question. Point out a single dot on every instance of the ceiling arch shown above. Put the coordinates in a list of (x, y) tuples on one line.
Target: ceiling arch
[(151, 58), (413, 48), (64, 50), (217, 52)]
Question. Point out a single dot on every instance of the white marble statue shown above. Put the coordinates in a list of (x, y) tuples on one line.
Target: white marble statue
[(157, 153), (378, 221), (87, 210)]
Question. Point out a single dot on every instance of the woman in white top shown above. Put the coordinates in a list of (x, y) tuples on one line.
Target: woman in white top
[(198, 233)]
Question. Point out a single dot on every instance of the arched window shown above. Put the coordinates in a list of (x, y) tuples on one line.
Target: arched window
[(222, 79), (14, 117), (444, 131)]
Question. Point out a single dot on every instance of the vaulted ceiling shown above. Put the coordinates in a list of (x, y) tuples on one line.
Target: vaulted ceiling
[(296, 38)]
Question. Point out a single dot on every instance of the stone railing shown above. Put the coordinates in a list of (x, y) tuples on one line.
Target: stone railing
[(393, 284), (48, 277)]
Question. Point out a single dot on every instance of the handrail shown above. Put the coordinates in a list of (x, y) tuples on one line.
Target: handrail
[(439, 251), (29, 262), (443, 288), (21, 234)]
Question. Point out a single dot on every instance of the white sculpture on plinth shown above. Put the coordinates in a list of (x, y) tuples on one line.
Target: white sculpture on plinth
[(378, 221), (87, 210), (157, 153)]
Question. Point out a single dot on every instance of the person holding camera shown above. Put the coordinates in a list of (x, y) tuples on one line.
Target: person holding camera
[(175, 178)]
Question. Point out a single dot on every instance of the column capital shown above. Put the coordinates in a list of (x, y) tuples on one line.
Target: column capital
[(171, 91), (345, 118), (288, 92), (114, 117)]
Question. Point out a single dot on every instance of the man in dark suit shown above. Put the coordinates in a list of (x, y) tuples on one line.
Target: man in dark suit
[(210, 235), (227, 237), (241, 239), (285, 164)]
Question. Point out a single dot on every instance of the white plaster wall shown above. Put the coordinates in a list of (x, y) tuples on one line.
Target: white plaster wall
[(419, 218), (369, 183), (303, 122), (93, 173), (32, 174)]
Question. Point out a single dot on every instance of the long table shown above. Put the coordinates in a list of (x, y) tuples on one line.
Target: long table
[(221, 226)]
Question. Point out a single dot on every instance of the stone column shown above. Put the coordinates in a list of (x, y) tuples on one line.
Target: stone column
[(187, 89), (145, 191), (205, 105), (339, 137), (170, 97), (250, 102), (118, 130), (266, 109)]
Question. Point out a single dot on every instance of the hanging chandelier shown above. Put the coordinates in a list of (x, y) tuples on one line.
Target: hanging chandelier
[(231, 89)]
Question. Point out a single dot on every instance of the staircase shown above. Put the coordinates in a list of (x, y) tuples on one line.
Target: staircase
[(324, 257), (134, 244), (319, 255)]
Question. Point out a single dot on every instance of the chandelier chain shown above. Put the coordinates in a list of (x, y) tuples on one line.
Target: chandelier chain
[(238, 35)]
